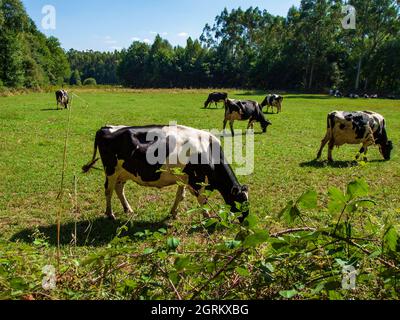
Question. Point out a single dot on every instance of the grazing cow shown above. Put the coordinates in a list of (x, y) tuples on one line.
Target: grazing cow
[(353, 96), (215, 97), (244, 110), (272, 101), (62, 98), (162, 156), (368, 128)]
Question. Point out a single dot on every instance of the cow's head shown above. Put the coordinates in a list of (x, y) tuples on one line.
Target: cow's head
[(240, 195), (265, 124), (386, 149)]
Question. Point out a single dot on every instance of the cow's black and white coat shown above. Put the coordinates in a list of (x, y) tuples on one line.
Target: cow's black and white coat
[(125, 154), (362, 127), (273, 101), (216, 97), (62, 98), (244, 110)]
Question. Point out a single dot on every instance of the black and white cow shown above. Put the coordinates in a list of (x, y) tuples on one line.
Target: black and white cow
[(273, 100), (366, 128), (162, 156), (62, 98), (244, 110), (215, 97)]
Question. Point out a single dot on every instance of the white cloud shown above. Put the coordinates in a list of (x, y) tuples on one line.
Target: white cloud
[(183, 34), (135, 39), (109, 40), (148, 41)]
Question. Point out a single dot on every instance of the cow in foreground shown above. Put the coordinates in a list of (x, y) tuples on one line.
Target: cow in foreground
[(244, 110), (215, 97), (162, 156), (366, 128), (62, 98), (273, 101)]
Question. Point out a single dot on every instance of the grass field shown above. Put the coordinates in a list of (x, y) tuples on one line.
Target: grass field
[(32, 135)]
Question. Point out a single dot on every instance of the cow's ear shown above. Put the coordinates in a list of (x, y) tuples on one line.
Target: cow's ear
[(235, 190), (245, 188)]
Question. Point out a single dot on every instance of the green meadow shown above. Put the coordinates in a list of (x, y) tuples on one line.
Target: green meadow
[(32, 138)]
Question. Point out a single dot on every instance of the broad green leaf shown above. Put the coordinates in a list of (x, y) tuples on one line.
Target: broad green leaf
[(309, 200), (232, 244), (256, 239), (390, 239), (148, 251), (335, 206), (289, 294), (336, 194), (242, 272), (285, 211), (173, 243), (358, 188), (292, 215), (251, 221), (210, 222)]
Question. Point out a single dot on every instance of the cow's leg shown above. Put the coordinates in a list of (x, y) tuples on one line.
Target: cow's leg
[(201, 199), (180, 196), (331, 146), (251, 125), (323, 144), (363, 150), (225, 123), (232, 129), (110, 187), (120, 190)]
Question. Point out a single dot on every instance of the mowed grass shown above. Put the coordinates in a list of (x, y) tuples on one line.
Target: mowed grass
[(32, 136)]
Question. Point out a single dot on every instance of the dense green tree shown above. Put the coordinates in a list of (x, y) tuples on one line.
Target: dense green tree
[(27, 57), (306, 50), (75, 79)]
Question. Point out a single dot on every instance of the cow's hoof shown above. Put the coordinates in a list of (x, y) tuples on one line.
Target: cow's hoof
[(128, 211)]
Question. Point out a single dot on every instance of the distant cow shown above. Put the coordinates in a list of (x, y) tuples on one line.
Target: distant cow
[(62, 98), (353, 96), (366, 128), (272, 101), (157, 156), (244, 110), (215, 97)]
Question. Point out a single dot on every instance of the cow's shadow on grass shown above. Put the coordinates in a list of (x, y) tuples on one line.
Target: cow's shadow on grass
[(319, 164), (92, 233), (53, 109)]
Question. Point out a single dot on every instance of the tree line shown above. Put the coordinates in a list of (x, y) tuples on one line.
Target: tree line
[(309, 49)]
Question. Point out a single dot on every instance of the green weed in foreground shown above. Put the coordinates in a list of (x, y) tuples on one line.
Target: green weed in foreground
[(233, 262), (95, 264)]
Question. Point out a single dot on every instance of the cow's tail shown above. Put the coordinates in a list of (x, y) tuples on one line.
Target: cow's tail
[(86, 168), (330, 125)]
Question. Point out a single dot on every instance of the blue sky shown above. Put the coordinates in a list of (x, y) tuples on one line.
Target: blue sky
[(107, 25)]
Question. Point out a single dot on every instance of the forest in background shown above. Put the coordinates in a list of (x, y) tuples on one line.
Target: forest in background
[(308, 50)]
